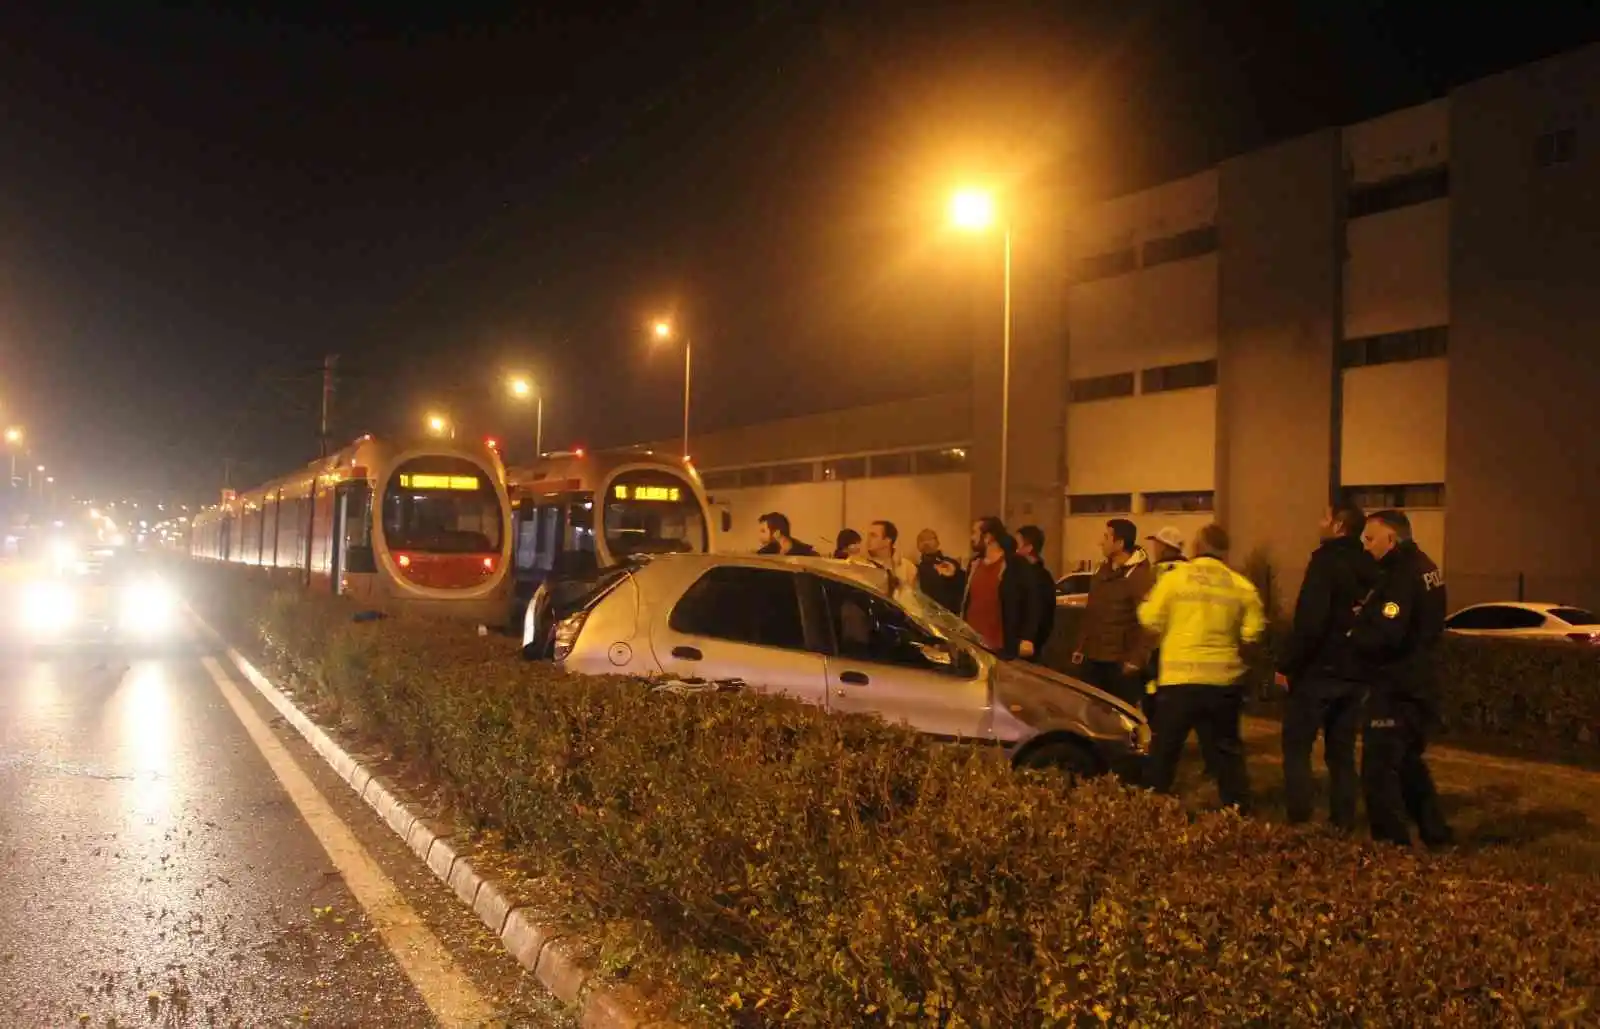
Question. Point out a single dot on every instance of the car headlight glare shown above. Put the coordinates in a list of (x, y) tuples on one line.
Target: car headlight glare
[(48, 607)]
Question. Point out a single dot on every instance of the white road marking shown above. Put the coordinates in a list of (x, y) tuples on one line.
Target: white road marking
[(449, 994)]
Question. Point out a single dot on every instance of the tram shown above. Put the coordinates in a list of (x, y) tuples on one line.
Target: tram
[(397, 524), (577, 512)]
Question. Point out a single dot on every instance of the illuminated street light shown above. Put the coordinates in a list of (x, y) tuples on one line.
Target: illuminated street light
[(14, 435), (664, 333), (522, 387), (439, 425), (973, 210)]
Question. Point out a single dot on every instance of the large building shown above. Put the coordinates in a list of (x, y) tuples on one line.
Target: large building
[(1405, 310)]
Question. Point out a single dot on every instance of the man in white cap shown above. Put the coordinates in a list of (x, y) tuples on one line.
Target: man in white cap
[(1166, 548)]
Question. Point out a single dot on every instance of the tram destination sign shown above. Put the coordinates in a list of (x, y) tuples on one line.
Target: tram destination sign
[(465, 483), (659, 494)]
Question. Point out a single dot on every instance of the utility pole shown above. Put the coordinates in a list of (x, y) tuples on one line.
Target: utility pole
[(328, 364)]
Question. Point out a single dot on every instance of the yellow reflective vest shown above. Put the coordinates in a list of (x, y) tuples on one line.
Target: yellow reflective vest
[(1203, 611)]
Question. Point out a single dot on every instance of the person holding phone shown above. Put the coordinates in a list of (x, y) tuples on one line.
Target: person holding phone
[(939, 576)]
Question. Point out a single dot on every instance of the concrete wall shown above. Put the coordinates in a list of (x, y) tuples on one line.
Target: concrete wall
[(1165, 314), (1524, 382), (1278, 321), (818, 510), (1394, 423), (943, 418), (1160, 442), (1397, 275), (1398, 143)]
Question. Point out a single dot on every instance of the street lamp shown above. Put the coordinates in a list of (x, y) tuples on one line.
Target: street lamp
[(439, 425), (13, 443), (664, 333), (522, 388), (973, 210)]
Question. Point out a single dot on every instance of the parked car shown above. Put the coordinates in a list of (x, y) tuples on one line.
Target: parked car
[(825, 632), (1072, 589), (1526, 620)]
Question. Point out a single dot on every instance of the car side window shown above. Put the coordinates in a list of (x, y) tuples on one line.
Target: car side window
[(744, 605), (867, 627), (1496, 617)]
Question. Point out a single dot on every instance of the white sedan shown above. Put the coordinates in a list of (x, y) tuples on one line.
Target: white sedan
[(1072, 589), (1527, 621)]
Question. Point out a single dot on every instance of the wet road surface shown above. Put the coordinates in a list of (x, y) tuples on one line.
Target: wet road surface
[(155, 871)]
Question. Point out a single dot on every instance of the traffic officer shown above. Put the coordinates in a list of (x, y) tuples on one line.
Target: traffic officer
[(1396, 630), (1320, 669), (1203, 612)]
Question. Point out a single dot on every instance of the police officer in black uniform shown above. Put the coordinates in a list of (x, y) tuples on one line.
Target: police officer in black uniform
[(1320, 668), (1396, 630)]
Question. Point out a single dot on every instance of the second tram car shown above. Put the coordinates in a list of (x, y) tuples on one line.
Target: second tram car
[(399, 525), (578, 512)]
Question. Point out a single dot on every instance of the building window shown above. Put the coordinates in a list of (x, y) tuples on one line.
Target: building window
[(881, 466), (799, 471), (1100, 503), (1408, 495), (1184, 245), (720, 480), (1392, 347), (844, 468), (1101, 387), (1558, 147), (1189, 375), (755, 476), (1104, 266), (941, 462), (1190, 502), (1403, 191)]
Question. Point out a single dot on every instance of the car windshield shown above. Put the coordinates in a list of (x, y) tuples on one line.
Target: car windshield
[(1575, 615), (938, 617)]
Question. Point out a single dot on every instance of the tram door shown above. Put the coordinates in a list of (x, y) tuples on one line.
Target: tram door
[(353, 562)]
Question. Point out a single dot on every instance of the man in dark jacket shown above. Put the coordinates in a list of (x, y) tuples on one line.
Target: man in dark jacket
[(999, 603), (1322, 672), (1112, 648), (1030, 548), (939, 577), (1396, 634), (774, 537)]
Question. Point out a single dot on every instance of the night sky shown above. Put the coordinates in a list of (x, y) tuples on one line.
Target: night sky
[(197, 204)]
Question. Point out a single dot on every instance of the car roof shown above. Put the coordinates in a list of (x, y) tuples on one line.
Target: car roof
[(859, 572), (1537, 606)]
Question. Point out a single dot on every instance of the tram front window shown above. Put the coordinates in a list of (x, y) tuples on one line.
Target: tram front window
[(441, 506), (653, 513)]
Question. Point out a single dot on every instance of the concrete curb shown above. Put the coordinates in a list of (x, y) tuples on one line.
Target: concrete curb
[(538, 948)]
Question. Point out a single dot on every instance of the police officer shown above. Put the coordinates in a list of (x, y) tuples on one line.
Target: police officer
[(1396, 630), (1322, 672), (1203, 611)]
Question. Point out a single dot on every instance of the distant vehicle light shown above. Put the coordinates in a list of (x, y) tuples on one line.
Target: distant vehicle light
[(48, 607)]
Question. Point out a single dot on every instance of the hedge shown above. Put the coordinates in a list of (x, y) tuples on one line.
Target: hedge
[(803, 869), (1526, 693)]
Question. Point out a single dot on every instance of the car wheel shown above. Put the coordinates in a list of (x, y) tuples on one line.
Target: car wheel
[(1071, 758)]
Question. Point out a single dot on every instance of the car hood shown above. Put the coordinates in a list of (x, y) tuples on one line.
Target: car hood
[(1042, 697)]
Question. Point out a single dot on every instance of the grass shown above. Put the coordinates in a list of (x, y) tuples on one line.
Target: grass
[(1531, 819)]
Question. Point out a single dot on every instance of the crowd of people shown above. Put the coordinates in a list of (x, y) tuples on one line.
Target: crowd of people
[(1166, 626)]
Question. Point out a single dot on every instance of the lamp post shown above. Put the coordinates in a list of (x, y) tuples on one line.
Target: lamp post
[(664, 333), (522, 388), (13, 444), (974, 211)]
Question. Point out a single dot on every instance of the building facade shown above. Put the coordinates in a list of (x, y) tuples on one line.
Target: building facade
[(1403, 311)]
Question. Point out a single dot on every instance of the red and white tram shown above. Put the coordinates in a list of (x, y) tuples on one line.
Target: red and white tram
[(401, 525), (580, 511)]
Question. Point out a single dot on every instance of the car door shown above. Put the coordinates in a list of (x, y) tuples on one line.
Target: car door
[(883, 662), (741, 623)]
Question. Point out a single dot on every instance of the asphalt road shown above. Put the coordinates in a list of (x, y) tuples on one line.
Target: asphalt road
[(155, 869)]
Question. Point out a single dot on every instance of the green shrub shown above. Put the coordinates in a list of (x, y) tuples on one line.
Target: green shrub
[(810, 870)]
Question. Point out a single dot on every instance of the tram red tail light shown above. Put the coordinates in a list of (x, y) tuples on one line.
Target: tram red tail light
[(404, 560), (488, 564)]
